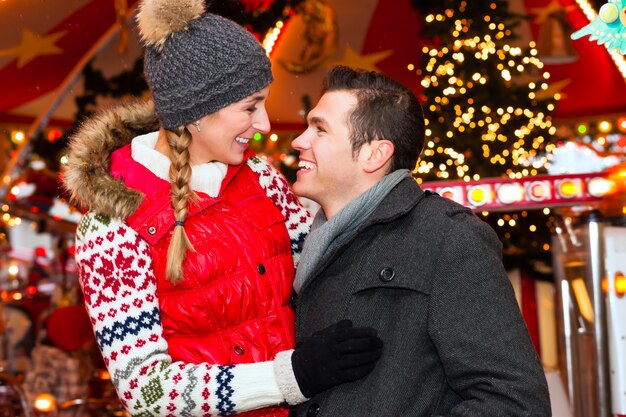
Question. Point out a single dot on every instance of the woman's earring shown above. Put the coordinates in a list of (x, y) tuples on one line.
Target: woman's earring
[(197, 124)]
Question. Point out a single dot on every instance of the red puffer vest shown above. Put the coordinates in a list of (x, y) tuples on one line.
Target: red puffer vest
[(233, 304)]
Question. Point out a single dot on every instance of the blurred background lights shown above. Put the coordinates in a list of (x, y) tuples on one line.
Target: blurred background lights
[(54, 134), (510, 193), (45, 403), (605, 126), (477, 195), (13, 270), (17, 136), (599, 187), (569, 188)]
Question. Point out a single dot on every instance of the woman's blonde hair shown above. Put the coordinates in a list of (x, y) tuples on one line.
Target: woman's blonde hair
[(180, 176)]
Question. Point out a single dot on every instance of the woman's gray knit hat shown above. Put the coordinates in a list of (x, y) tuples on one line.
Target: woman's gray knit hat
[(196, 62)]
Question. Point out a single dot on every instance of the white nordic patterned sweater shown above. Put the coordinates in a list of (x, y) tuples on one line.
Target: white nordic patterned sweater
[(115, 271)]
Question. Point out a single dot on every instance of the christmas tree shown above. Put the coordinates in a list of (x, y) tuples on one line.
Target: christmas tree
[(486, 99), (488, 108)]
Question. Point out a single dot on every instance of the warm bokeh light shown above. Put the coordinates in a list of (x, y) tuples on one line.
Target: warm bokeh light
[(45, 403), (620, 284)]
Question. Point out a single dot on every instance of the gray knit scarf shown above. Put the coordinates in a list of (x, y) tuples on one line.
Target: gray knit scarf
[(325, 234)]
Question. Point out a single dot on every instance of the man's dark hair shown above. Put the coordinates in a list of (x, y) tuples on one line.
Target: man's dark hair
[(385, 109)]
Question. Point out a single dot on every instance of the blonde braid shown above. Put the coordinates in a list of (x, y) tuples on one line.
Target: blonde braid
[(180, 176)]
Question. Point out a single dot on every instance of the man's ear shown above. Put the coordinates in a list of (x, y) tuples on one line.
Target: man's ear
[(379, 155)]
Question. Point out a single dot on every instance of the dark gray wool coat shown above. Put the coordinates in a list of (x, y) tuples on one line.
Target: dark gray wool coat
[(427, 275)]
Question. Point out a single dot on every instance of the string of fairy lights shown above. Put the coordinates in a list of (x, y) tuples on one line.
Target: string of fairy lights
[(454, 88), (272, 36), (466, 125)]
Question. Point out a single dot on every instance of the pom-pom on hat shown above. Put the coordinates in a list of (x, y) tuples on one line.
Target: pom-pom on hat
[(196, 62)]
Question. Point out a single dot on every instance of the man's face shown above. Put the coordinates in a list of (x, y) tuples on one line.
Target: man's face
[(328, 171)]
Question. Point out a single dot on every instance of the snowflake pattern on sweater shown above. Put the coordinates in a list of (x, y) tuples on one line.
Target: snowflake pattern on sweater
[(297, 219), (119, 287)]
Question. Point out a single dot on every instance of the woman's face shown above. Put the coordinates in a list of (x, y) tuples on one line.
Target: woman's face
[(224, 135)]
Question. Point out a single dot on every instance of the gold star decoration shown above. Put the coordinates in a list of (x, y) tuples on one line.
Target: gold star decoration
[(353, 59), (32, 46), (542, 13)]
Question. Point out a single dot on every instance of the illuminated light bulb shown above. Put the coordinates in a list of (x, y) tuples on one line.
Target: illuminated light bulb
[(509, 193), (270, 39), (54, 134), (479, 195), (104, 375), (569, 188), (45, 402), (539, 190), (582, 299), (18, 136), (599, 187), (451, 193), (15, 190), (620, 284), (604, 126)]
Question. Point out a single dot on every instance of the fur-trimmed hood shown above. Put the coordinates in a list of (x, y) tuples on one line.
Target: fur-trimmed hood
[(86, 175)]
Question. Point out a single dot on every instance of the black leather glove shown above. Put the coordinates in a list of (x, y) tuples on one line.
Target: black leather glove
[(339, 353)]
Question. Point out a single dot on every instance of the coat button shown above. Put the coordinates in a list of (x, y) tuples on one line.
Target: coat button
[(239, 350), (387, 274), (261, 269), (152, 230), (313, 410)]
